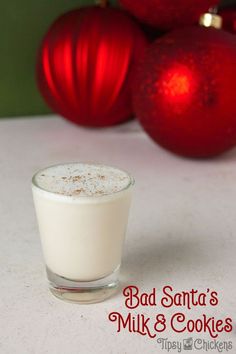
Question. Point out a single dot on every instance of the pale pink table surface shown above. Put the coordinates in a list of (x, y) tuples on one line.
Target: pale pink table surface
[(182, 232)]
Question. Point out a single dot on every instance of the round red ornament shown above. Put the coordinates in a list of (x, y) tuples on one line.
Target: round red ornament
[(184, 91), (85, 65), (229, 18), (168, 14)]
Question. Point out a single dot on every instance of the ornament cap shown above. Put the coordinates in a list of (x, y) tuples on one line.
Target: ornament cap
[(211, 20)]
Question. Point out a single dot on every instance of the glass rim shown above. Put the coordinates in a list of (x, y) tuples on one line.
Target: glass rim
[(83, 197)]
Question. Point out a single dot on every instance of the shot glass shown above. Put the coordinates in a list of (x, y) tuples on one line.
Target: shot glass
[(82, 212)]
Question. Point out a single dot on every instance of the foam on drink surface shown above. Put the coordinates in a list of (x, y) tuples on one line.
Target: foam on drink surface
[(82, 180)]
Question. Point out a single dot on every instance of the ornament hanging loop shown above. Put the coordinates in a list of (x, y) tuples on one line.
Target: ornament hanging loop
[(211, 19), (102, 3)]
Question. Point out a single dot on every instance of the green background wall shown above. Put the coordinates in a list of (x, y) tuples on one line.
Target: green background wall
[(22, 26)]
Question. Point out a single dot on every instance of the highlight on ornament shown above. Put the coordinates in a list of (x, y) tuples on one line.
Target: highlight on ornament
[(177, 83)]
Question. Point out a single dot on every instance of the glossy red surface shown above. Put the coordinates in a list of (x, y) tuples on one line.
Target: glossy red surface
[(168, 14), (185, 91), (85, 65)]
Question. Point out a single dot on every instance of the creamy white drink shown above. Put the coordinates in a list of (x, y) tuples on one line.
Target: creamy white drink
[(82, 212)]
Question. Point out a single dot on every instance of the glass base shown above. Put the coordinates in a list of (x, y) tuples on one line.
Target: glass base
[(83, 292)]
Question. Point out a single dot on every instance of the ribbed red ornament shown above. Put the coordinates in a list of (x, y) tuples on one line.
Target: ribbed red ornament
[(85, 65), (168, 14), (185, 91)]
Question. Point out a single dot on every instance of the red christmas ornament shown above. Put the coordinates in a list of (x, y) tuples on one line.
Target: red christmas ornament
[(229, 19), (185, 90), (85, 63), (168, 14)]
